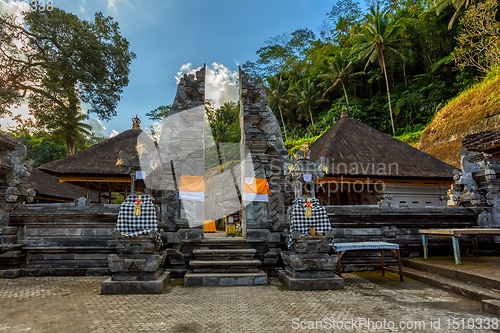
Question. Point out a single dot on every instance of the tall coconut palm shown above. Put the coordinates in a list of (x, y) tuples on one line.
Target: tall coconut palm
[(340, 71), (308, 95), (380, 34), (278, 96)]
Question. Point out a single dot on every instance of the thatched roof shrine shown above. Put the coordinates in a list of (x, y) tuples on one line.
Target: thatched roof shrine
[(95, 167), (49, 189), (355, 150), (98, 160)]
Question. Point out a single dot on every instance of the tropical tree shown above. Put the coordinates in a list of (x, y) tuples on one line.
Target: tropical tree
[(478, 44), (340, 71), (220, 132), (278, 96), (457, 4), (307, 96), (380, 34), (57, 62)]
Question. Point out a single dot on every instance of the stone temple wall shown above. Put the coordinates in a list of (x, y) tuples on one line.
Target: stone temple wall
[(65, 238), (397, 225), (75, 239), (264, 155), (181, 149)]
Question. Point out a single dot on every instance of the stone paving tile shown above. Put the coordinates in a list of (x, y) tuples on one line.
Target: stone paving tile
[(74, 304)]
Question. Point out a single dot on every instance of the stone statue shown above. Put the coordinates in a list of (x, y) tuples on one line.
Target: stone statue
[(302, 173)]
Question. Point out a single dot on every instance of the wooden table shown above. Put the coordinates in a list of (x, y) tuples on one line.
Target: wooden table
[(454, 234), (341, 248)]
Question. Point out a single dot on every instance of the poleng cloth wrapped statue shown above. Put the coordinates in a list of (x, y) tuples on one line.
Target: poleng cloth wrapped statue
[(137, 206), (137, 216), (309, 206)]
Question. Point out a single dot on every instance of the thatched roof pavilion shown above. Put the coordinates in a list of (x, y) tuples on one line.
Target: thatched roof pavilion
[(49, 189), (95, 168), (358, 153)]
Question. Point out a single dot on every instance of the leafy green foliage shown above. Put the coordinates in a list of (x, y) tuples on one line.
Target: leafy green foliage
[(278, 96), (64, 63), (44, 150), (224, 122), (415, 76), (380, 34), (159, 113)]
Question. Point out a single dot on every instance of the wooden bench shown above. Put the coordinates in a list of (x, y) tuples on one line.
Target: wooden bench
[(454, 234), (341, 248)]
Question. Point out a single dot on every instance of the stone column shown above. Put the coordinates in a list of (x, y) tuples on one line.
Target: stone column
[(264, 153)]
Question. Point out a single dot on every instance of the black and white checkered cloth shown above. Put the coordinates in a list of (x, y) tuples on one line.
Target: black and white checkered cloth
[(130, 225), (299, 222)]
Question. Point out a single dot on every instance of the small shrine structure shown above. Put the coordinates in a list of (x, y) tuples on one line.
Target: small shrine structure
[(96, 167), (368, 167)]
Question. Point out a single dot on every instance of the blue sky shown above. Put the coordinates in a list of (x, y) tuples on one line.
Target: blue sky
[(166, 34)]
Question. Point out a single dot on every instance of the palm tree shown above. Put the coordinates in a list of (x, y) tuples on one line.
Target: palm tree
[(220, 131), (277, 94), (308, 96), (340, 71), (458, 4), (380, 34), (71, 129)]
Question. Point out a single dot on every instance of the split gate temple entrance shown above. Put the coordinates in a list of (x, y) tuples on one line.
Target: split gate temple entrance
[(222, 205), (226, 189)]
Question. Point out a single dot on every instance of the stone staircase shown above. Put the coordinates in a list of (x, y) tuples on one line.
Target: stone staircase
[(478, 281), (225, 262)]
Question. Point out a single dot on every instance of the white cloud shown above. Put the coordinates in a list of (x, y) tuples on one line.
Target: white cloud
[(185, 69), (97, 127), (115, 4), (14, 7), (113, 134), (220, 82)]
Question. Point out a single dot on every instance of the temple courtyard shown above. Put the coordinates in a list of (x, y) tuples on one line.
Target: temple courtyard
[(369, 303)]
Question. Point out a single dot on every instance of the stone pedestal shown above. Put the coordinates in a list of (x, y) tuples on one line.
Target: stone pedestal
[(10, 253), (309, 266), (138, 266)]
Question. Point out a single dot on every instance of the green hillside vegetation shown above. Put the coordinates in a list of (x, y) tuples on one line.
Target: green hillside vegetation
[(393, 66), (475, 110), (400, 60)]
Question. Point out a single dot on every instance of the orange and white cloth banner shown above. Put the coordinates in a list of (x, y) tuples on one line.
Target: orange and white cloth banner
[(256, 189), (191, 188)]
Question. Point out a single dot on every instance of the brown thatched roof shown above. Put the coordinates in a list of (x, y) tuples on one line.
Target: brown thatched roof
[(48, 187), (353, 148), (99, 159)]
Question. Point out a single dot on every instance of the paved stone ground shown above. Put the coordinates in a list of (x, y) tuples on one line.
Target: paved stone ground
[(74, 304)]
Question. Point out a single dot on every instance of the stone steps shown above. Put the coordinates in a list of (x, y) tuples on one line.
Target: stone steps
[(224, 254), (224, 243), (225, 266), (224, 279), (224, 262), (491, 306), (459, 287), (475, 278), (490, 299)]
